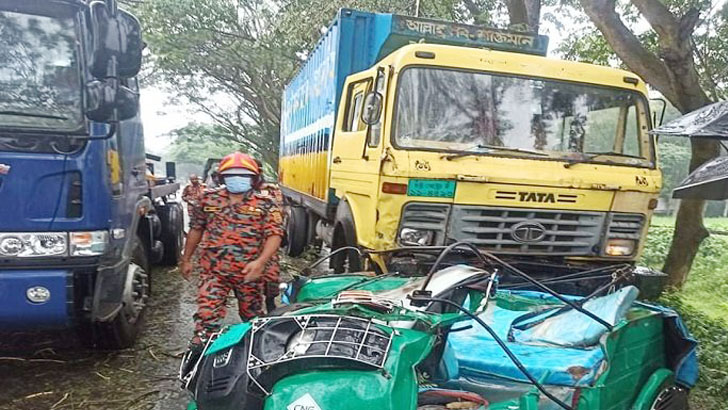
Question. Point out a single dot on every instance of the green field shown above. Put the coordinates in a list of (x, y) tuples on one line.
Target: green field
[(703, 302), (707, 287)]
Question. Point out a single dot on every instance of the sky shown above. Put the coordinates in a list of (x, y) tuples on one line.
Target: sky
[(160, 116)]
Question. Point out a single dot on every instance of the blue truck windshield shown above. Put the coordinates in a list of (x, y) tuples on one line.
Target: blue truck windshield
[(482, 113), (40, 84)]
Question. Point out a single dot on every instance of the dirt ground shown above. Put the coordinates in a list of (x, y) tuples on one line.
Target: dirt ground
[(50, 371)]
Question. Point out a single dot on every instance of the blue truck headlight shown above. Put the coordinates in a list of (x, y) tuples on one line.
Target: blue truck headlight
[(88, 243), (29, 245)]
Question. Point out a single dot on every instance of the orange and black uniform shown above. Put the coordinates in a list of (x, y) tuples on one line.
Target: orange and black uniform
[(191, 194), (234, 235)]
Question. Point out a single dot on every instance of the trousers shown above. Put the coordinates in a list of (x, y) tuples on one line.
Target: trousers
[(214, 287)]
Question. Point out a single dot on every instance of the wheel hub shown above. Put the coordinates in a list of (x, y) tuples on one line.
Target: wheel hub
[(136, 291)]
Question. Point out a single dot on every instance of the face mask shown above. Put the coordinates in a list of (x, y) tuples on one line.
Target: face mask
[(238, 184)]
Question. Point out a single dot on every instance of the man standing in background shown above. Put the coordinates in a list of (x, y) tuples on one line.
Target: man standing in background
[(193, 192)]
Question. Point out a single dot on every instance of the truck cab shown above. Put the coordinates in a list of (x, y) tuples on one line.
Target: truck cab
[(79, 226), (462, 133)]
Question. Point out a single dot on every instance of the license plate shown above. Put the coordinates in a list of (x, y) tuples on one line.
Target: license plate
[(439, 188)]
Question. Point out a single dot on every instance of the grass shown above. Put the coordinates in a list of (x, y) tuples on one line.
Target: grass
[(703, 303), (707, 287)]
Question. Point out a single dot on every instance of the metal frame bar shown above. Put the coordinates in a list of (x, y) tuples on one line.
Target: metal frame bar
[(304, 322)]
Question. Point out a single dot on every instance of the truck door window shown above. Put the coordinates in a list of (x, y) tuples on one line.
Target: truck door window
[(354, 106), (352, 123)]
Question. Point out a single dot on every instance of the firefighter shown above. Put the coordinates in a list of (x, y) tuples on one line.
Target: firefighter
[(272, 271), (239, 228), (193, 192)]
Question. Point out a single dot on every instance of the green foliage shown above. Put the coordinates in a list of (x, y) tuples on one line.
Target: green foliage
[(195, 143), (674, 154), (221, 55), (703, 305)]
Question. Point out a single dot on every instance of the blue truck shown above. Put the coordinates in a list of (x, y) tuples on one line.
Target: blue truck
[(81, 218)]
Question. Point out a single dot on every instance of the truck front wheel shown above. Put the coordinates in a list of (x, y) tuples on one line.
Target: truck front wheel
[(122, 331), (345, 261)]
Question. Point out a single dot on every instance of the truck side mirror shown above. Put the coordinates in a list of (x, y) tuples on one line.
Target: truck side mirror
[(116, 37), (372, 108), (103, 97)]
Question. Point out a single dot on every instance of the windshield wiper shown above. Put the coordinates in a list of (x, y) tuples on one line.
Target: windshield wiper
[(525, 151), (590, 155), (616, 154), (34, 115), (494, 148)]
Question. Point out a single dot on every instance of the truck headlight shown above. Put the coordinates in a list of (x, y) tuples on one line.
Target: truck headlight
[(620, 247), (416, 237), (30, 245), (88, 243)]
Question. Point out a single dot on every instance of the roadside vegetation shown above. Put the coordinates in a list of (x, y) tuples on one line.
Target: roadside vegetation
[(703, 303)]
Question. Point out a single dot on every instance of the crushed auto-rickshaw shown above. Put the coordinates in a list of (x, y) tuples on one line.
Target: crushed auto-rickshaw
[(473, 335)]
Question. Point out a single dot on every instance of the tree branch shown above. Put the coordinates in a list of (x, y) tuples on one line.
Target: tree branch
[(658, 15), (627, 46)]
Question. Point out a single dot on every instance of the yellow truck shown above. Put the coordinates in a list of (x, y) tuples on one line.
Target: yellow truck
[(403, 131)]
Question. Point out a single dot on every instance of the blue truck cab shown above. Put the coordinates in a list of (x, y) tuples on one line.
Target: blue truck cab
[(80, 219)]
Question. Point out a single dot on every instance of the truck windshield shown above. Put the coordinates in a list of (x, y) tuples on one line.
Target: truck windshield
[(482, 114), (40, 84)]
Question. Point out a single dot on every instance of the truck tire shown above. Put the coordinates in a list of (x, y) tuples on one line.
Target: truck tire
[(296, 231), (172, 234), (344, 235), (122, 331)]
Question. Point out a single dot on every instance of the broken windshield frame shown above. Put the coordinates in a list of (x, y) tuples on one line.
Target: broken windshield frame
[(447, 110)]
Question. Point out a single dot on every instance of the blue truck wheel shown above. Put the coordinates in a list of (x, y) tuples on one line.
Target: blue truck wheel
[(122, 331)]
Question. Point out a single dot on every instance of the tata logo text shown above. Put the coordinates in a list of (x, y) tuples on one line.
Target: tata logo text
[(536, 197)]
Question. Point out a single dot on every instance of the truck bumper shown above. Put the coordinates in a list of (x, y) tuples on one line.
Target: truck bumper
[(17, 311)]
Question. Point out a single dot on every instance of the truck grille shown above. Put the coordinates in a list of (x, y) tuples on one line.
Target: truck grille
[(523, 230), (527, 231)]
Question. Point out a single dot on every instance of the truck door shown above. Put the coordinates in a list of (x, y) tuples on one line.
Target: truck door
[(356, 155)]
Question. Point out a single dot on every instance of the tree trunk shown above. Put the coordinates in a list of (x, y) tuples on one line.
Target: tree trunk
[(524, 14), (689, 229), (689, 233), (674, 75)]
